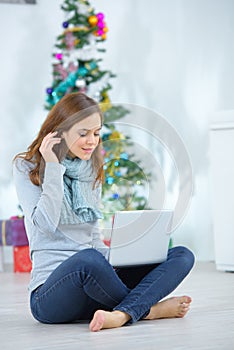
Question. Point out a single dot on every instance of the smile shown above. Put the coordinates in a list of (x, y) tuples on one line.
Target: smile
[(88, 150)]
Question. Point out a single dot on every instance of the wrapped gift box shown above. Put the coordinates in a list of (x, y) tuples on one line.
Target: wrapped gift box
[(12, 232), (22, 262), (5, 232), (19, 237)]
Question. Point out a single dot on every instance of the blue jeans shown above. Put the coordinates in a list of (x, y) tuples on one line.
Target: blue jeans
[(86, 282)]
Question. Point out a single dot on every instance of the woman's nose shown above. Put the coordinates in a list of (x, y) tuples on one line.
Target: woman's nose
[(91, 139)]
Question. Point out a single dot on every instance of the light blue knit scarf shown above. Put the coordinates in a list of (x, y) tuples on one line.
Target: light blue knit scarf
[(81, 201)]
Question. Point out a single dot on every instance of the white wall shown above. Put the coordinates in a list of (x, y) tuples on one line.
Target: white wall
[(27, 34), (176, 58)]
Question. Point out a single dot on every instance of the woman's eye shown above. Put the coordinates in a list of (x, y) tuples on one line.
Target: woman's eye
[(85, 134)]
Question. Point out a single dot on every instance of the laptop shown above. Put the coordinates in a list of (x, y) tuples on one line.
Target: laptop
[(140, 237)]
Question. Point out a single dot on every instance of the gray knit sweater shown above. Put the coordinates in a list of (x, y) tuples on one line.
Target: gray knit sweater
[(50, 241)]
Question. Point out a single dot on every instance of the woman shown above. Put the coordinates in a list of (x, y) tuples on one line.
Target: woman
[(58, 184)]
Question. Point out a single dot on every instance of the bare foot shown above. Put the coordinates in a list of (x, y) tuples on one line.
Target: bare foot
[(105, 319), (169, 308)]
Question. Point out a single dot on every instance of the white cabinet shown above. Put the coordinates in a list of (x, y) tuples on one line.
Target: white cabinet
[(222, 187)]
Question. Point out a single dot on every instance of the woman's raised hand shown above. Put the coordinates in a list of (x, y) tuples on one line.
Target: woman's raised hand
[(46, 148)]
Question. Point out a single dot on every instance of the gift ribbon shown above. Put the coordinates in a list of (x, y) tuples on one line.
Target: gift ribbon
[(3, 232)]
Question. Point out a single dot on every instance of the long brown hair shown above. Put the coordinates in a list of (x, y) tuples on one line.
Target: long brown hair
[(71, 109)]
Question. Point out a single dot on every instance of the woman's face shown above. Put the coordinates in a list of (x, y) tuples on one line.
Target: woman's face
[(83, 137)]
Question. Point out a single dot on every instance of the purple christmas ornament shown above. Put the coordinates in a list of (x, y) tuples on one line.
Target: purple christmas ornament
[(49, 91), (65, 24)]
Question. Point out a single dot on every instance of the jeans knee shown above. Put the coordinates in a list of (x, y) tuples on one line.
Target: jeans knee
[(186, 256), (90, 259)]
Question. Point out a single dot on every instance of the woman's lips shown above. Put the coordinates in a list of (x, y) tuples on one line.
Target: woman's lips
[(87, 150)]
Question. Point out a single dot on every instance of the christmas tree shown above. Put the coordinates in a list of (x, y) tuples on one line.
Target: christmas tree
[(77, 66)]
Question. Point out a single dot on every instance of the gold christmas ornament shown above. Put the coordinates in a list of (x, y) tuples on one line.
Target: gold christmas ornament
[(116, 135), (93, 20)]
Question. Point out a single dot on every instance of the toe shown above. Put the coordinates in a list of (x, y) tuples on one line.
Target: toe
[(185, 299), (97, 322)]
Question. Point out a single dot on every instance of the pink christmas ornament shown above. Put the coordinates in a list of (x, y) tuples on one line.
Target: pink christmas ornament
[(100, 16), (59, 56), (100, 32), (100, 24)]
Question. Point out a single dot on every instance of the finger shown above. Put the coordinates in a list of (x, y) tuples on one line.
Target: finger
[(49, 141), (51, 134), (48, 144), (54, 139)]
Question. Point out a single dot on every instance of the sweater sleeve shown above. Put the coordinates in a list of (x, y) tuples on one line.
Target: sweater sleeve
[(40, 205)]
